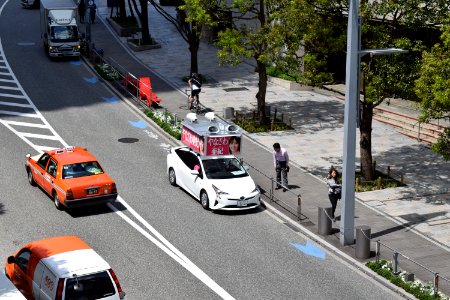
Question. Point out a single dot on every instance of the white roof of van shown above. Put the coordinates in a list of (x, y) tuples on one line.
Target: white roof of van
[(78, 262)]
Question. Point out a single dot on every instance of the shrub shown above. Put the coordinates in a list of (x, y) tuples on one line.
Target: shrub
[(166, 121)]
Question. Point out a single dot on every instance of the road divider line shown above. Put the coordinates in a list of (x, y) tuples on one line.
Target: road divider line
[(169, 249)]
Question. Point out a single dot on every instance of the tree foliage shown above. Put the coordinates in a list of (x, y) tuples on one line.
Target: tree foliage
[(433, 88)]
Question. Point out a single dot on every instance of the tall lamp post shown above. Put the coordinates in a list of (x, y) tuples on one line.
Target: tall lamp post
[(351, 111)]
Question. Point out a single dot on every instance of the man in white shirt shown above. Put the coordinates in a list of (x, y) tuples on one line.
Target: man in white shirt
[(281, 165)]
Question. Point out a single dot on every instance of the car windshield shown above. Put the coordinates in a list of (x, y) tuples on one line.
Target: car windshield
[(64, 33), (89, 287), (81, 169), (223, 168)]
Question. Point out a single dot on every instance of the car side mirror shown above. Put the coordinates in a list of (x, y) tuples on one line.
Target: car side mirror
[(11, 260), (195, 172), (247, 168), (28, 155)]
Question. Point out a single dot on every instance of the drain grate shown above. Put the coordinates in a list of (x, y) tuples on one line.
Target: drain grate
[(128, 140), (236, 89)]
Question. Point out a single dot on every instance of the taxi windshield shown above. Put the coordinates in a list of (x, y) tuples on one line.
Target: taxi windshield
[(224, 168), (81, 169), (64, 33)]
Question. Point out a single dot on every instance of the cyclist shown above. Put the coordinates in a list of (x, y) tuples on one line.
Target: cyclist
[(196, 87)]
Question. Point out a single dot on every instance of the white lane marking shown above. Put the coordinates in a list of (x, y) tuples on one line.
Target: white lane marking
[(14, 104), (17, 123), (15, 113), (169, 249), (39, 136), (6, 80), (10, 88), (12, 96)]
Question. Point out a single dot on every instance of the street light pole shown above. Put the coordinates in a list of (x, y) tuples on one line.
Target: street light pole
[(347, 224)]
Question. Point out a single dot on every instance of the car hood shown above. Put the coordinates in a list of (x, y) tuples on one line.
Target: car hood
[(237, 186)]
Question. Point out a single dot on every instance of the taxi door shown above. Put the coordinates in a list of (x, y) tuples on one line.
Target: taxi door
[(21, 277), (39, 170), (49, 176)]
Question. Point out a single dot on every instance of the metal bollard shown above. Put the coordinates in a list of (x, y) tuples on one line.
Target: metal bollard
[(362, 249), (228, 113), (395, 264), (324, 220)]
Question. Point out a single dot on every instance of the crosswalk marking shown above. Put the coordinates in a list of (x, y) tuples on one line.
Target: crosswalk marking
[(40, 140)]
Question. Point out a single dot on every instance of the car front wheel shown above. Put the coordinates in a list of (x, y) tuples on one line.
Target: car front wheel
[(30, 178), (172, 177), (58, 204), (204, 200)]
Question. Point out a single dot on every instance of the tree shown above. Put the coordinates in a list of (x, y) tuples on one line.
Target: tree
[(255, 32), (433, 88)]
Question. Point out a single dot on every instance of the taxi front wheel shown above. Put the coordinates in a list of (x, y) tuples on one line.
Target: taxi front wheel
[(58, 204), (204, 200), (31, 179)]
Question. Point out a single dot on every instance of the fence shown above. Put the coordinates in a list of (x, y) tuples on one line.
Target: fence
[(395, 265), (271, 182)]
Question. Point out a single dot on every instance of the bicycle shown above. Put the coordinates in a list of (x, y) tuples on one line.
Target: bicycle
[(196, 106)]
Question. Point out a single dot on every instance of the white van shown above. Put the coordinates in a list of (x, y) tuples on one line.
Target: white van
[(61, 268)]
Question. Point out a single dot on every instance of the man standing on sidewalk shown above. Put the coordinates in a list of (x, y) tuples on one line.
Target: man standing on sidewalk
[(281, 165)]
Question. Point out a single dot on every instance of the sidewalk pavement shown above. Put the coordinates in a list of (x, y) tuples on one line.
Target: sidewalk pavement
[(414, 220)]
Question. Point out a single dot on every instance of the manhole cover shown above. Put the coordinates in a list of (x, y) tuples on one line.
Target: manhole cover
[(237, 89), (128, 140)]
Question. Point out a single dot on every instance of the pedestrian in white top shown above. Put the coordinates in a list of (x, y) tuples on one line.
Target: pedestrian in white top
[(281, 165)]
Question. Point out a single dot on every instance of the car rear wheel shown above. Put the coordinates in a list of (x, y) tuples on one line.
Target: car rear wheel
[(30, 178), (58, 204), (172, 177), (204, 200)]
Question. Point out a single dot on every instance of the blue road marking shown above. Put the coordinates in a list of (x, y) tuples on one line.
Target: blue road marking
[(75, 62), (310, 249), (26, 43), (110, 100), (90, 80), (138, 124)]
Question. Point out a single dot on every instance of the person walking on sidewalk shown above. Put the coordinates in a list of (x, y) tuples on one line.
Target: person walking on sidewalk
[(281, 165), (334, 189), (81, 10), (92, 10)]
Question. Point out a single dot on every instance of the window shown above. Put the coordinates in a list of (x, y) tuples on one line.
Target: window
[(93, 286), (223, 168), (65, 33), (81, 169), (51, 169), (43, 160), (22, 259)]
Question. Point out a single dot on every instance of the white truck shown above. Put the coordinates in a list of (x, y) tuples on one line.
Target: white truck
[(59, 27)]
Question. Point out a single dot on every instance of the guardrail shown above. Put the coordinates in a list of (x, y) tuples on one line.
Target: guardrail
[(272, 198), (436, 277)]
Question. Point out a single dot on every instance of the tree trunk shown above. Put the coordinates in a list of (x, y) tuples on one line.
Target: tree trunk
[(146, 38), (365, 141), (262, 88), (194, 45), (122, 10)]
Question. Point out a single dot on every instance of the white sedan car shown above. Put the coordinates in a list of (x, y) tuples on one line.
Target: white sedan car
[(220, 183)]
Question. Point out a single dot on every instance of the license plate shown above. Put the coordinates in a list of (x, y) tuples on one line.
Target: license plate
[(242, 203), (92, 191)]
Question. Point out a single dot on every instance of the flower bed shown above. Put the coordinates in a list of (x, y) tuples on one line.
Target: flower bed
[(167, 121)]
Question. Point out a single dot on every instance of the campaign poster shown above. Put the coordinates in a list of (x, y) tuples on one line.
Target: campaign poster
[(223, 145), (192, 140)]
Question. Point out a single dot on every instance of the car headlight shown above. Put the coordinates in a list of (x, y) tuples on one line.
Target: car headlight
[(255, 190), (218, 191)]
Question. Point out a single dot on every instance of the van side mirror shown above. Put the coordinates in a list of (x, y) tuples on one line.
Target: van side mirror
[(11, 260)]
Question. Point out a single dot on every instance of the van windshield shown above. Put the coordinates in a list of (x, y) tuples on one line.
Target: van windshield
[(64, 33), (89, 287)]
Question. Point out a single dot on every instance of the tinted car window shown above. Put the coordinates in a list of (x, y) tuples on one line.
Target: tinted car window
[(43, 160), (81, 169), (223, 168), (89, 287), (22, 259), (51, 169)]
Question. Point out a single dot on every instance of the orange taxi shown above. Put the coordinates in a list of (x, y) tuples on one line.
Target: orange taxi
[(71, 176)]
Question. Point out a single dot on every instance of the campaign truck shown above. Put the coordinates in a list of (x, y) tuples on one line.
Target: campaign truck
[(59, 28), (208, 167)]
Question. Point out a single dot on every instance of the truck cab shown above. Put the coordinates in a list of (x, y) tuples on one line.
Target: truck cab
[(59, 28)]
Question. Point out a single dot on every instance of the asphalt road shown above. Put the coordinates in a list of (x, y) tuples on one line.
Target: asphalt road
[(158, 239)]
